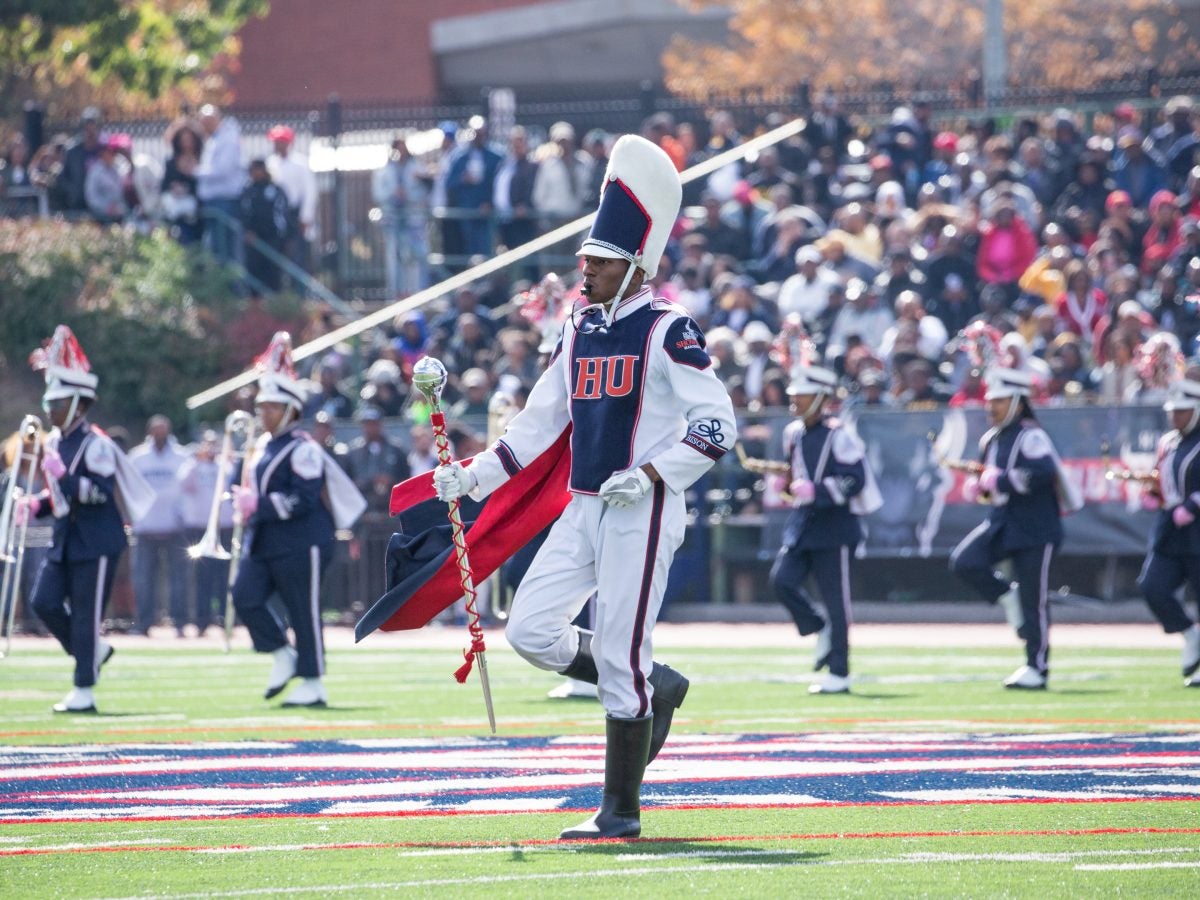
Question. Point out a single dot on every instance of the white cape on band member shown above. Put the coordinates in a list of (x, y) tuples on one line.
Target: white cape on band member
[(134, 494), (345, 501)]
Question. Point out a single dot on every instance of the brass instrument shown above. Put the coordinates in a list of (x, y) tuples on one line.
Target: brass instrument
[(760, 466), (244, 424), (969, 466), (1148, 480), (12, 533)]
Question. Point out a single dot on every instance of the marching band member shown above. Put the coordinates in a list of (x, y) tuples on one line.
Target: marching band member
[(84, 472), (831, 485), (632, 379), (1023, 478), (289, 535), (1174, 556)]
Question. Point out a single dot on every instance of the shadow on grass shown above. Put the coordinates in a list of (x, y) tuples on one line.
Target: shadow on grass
[(706, 851)]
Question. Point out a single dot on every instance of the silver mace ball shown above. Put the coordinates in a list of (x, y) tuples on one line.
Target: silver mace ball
[(429, 377)]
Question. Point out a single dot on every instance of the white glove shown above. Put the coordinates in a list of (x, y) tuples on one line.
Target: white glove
[(452, 481), (624, 489)]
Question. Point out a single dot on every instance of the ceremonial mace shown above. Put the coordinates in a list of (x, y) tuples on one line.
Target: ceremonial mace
[(429, 377)]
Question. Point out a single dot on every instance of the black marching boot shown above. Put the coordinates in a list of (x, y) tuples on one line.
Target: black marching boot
[(670, 687), (627, 746)]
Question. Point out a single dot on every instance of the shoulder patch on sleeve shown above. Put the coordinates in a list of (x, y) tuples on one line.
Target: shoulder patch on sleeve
[(101, 456), (847, 449), (684, 343), (307, 461), (1036, 444)]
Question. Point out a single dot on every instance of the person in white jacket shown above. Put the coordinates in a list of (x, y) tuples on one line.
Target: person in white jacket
[(633, 381)]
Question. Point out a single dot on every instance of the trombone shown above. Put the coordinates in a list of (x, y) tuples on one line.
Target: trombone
[(25, 452), (241, 423)]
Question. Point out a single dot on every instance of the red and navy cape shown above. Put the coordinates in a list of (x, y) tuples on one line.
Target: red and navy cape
[(422, 574)]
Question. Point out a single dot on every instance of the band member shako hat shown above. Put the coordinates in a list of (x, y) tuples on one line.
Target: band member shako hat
[(278, 382), (68, 372), (639, 203)]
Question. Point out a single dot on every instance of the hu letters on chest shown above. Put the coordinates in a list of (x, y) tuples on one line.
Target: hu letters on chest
[(598, 377)]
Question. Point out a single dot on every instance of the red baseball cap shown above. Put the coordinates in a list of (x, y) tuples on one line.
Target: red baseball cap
[(1118, 197), (281, 133)]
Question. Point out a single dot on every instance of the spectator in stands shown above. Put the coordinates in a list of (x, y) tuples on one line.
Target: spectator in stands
[(411, 341), (1006, 249), (219, 181), (900, 276), (860, 236), (466, 301), (1175, 141), (1164, 229), (1082, 305), (374, 461), (827, 127), (328, 397), (843, 263), (1036, 172), (930, 332), (476, 387), (422, 455), (954, 306), (518, 356), (263, 213), (401, 189), (758, 338), (383, 388), (104, 188), (14, 167), (778, 262), (46, 171), (514, 194), (721, 237), (470, 186), (450, 227), (180, 203), (1135, 171), (471, 346), (1046, 276), (1124, 226), (693, 293), (745, 213), (806, 293), (159, 547), (595, 144), (862, 318), (1088, 189), (740, 305), (564, 175), (291, 173), (81, 154)]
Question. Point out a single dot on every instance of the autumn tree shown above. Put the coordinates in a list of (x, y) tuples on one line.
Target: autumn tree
[(124, 54), (846, 43)]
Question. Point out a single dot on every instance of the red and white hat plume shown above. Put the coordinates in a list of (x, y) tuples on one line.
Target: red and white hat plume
[(67, 370), (798, 354), (1160, 361), (278, 382)]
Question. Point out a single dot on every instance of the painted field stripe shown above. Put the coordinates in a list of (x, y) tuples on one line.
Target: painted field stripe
[(203, 814), (1129, 867), (649, 841)]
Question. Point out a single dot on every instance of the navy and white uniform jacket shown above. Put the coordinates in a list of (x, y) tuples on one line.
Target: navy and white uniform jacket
[(641, 390), (1179, 483), (289, 476), (93, 528), (832, 458), (1025, 506)]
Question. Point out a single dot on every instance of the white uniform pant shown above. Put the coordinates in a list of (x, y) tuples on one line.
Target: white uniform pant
[(624, 556)]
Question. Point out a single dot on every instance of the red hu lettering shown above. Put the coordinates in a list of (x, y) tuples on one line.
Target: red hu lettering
[(612, 373)]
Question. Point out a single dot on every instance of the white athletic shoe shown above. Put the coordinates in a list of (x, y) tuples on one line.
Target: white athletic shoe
[(824, 645), (104, 651), (283, 670), (571, 689), (831, 684), (79, 700), (309, 692), (1026, 678), (1194, 681), (1191, 650), (1010, 602)]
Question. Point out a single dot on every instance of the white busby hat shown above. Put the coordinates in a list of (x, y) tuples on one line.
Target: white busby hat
[(1183, 394), (68, 372), (1002, 382), (639, 204), (798, 353), (278, 382)]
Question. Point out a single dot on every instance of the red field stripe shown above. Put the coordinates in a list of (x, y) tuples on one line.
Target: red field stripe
[(543, 842), (424, 813)]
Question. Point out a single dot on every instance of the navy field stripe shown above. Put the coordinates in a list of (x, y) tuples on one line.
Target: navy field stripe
[(639, 622)]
